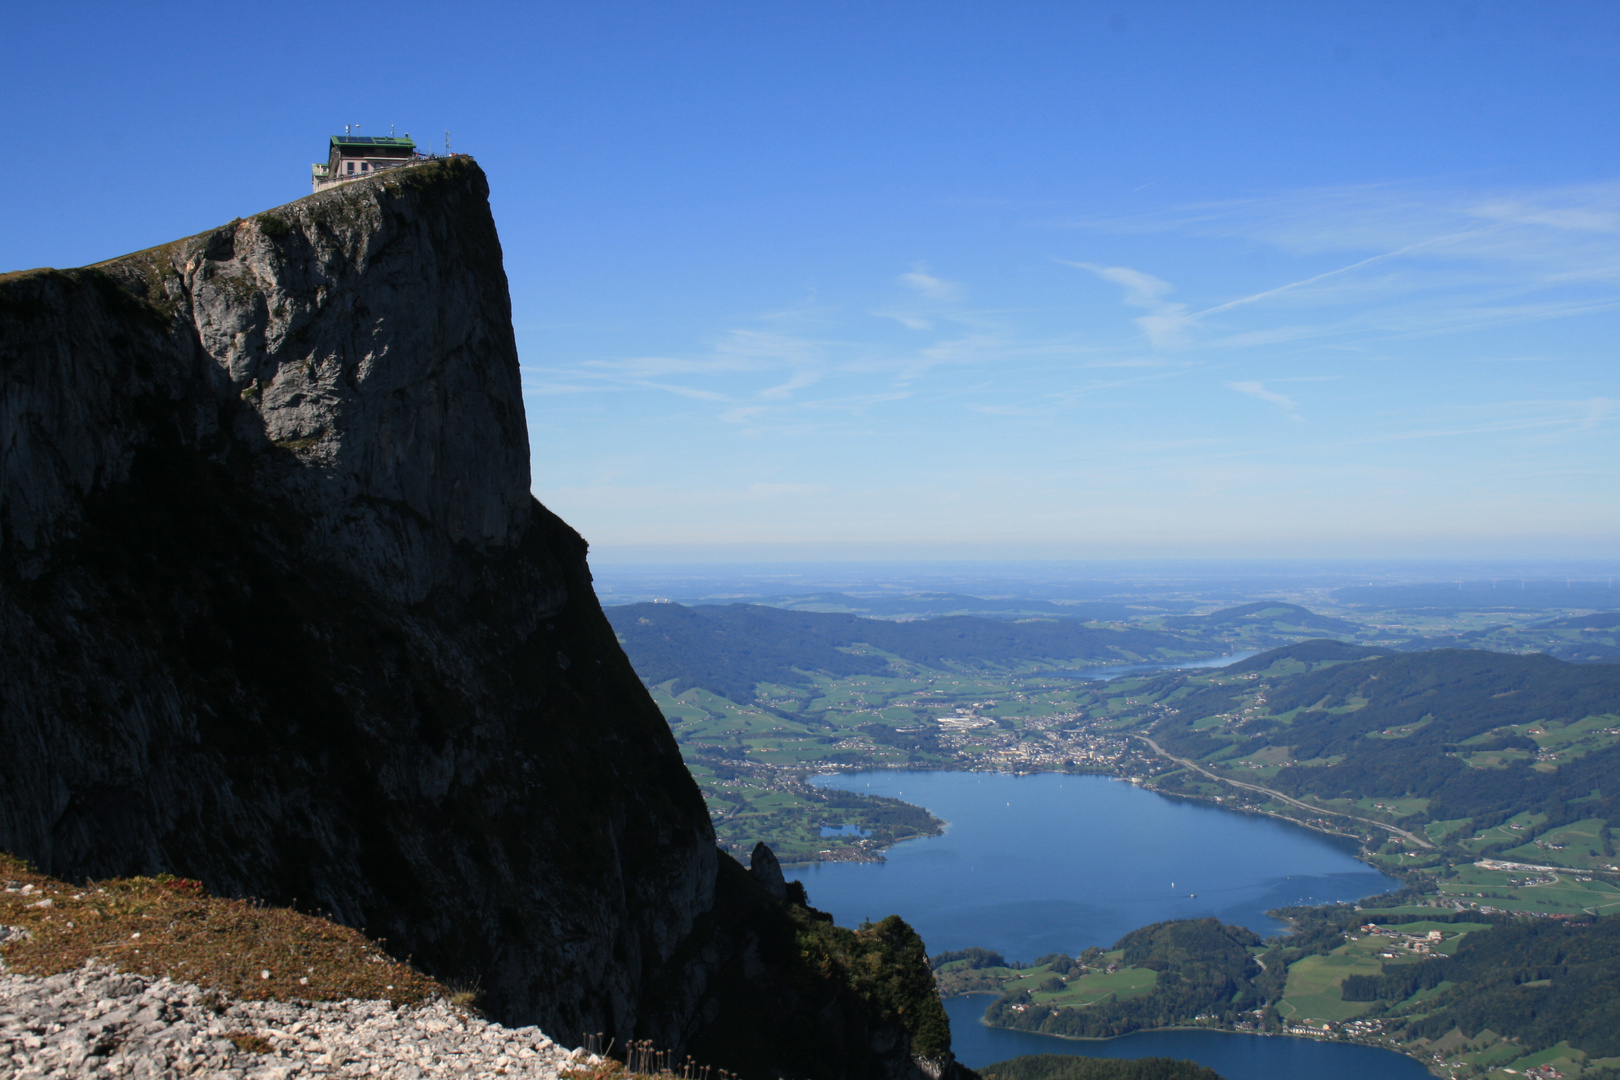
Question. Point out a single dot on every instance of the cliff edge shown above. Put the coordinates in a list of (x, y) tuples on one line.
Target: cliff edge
[(278, 613)]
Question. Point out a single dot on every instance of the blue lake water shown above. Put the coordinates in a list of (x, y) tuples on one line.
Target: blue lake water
[(1050, 863), (1103, 674), (1235, 1057), (1036, 864)]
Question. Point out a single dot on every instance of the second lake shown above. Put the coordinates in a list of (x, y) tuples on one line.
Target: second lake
[(1030, 865)]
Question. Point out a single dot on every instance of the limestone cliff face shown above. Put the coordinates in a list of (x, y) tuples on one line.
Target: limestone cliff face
[(278, 612)]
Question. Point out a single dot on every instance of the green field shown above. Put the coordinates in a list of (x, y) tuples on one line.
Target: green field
[(1313, 989), (1312, 992), (1578, 845), (1094, 986), (1562, 893), (1077, 989)]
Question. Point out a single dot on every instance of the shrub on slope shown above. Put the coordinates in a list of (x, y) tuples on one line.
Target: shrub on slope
[(1073, 1067)]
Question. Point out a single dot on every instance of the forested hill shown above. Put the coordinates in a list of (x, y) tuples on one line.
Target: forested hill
[(1305, 656), (1203, 966), (1505, 990), (731, 648), (1075, 1067), (1477, 734), (1280, 618), (1540, 982)]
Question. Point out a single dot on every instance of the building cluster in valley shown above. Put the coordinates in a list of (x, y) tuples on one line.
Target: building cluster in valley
[(1043, 744), (1400, 941)]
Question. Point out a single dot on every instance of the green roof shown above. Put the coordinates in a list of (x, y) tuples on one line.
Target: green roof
[(377, 142)]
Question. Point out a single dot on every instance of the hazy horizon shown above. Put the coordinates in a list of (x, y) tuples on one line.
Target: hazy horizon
[(1212, 580)]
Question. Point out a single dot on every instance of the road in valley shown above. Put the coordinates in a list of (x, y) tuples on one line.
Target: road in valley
[(1279, 796)]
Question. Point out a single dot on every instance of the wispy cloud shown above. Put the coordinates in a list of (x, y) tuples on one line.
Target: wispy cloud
[(909, 321), (930, 299), (1267, 294), (1384, 217), (1166, 322), (1257, 389), (1141, 290), (1417, 261), (990, 385), (920, 281), (1375, 273), (1534, 422)]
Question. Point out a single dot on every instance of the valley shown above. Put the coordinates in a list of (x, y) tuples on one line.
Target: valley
[(1482, 777), (1228, 735)]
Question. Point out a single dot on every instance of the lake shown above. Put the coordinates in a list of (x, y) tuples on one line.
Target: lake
[(1051, 863), (1103, 674), (1234, 1056)]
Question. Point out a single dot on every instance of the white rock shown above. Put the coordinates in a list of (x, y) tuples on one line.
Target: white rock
[(97, 1021)]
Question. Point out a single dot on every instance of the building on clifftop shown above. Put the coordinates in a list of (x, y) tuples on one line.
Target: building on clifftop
[(356, 156)]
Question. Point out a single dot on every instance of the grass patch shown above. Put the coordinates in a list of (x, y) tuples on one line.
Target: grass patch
[(170, 927), (1094, 986), (1313, 992), (252, 1044)]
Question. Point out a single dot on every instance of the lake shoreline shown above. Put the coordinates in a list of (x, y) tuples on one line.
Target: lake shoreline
[(876, 855), (1042, 861), (1350, 1041), (1196, 846)]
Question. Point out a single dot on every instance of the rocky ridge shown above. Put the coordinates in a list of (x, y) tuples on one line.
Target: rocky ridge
[(278, 613)]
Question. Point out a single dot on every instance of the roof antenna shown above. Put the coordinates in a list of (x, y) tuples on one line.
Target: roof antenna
[(447, 142)]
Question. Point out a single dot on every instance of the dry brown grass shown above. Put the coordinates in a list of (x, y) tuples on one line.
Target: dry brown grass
[(253, 1044), (643, 1061), (616, 1070), (167, 926)]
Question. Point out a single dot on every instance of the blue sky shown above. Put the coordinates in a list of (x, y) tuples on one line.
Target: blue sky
[(949, 280)]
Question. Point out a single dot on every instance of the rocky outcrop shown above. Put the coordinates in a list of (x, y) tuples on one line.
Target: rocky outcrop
[(97, 1021), (766, 869), (278, 613)]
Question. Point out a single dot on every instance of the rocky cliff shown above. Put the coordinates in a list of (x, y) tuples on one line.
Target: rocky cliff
[(278, 612)]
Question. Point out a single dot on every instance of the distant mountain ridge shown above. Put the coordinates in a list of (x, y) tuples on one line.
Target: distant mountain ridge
[(1268, 612), (732, 648), (927, 605)]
